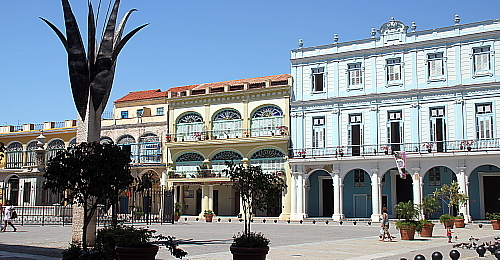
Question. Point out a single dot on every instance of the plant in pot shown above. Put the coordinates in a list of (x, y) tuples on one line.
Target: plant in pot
[(258, 191), (447, 220), (453, 197), (209, 215), (428, 206), (127, 243), (407, 212), (495, 220), (177, 211)]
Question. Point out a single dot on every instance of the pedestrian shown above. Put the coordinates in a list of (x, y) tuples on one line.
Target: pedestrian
[(7, 217), (448, 233), (385, 226)]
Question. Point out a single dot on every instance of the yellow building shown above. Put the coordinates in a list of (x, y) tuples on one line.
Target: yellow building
[(20, 178)]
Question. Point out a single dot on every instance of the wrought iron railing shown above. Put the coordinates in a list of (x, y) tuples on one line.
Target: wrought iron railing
[(452, 146), (228, 134)]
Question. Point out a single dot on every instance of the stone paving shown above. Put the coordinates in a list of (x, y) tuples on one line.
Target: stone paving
[(293, 240)]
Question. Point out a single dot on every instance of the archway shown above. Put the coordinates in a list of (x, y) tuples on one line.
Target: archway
[(484, 193), (357, 194), (320, 196), (435, 178), (13, 190)]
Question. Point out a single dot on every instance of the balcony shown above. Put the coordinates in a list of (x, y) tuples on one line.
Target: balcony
[(215, 173), (271, 131), (452, 147)]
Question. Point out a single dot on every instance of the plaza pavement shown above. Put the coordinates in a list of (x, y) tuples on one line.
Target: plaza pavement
[(289, 241)]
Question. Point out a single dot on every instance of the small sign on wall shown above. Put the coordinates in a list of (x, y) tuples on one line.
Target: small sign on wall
[(189, 194)]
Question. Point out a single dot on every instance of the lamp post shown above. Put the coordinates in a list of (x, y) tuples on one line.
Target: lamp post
[(40, 153)]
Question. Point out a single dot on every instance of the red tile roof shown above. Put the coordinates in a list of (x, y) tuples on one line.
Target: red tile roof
[(147, 94)]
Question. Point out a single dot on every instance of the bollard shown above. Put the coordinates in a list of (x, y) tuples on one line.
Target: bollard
[(454, 254), (480, 250), (197, 219), (314, 221), (480, 225), (275, 221), (369, 223), (419, 257), (403, 259), (326, 222), (264, 221), (341, 222), (301, 221), (229, 220), (497, 254), (354, 222), (492, 249), (437, 256)]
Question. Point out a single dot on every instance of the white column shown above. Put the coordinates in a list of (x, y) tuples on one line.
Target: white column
[(464, 188), (376, 196), (211, 197), (204, 199), (300, 213), (337, 196), (293, 190), (417, 188)]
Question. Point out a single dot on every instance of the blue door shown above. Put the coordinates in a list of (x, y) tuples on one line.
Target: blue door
[(360, 206)]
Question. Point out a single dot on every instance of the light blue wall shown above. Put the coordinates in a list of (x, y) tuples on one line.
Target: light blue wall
[(350, 191), (314, 193)]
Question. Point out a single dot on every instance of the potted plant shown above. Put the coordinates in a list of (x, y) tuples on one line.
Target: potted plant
[(177, 211), (428, 146), (495, 220), (127, 243), (258, 191), (137, 212), (428, 206), (408, 212), (302, 153), (447, 220), (452, 196), (459, 221), (385, 149), (467, 144), (208, 214)]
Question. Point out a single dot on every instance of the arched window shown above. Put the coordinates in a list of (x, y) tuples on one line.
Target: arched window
[(186, 164), (30, 153), (227, 123), (270, 160), (106, 140), (54, 146), (219, 160), (149, 148), (72, 142), (14, 155), (189, 127), (266, 121), (127, 143)]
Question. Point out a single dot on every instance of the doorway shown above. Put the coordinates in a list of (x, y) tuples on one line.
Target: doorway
[(491, 193), (404, 189), (327, 196), (361, 206), (356, 140)]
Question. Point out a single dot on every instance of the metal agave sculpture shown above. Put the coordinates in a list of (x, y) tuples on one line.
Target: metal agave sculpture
[(91, 75)]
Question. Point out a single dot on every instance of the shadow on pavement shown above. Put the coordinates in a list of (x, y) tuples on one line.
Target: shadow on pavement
[(32, 250)]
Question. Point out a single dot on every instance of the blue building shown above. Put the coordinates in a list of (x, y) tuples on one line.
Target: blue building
[(427, 95)]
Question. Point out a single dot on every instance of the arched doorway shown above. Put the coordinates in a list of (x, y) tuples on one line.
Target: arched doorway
[(435, 178), (13, 190), (357, 194), (484, 193), (320, 196)]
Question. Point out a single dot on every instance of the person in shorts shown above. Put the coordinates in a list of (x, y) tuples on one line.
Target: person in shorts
[(7, 217), (385, 226)]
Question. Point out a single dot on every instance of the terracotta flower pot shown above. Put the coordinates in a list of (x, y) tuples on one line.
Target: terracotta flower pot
[(177, 217), (246, 253), (459, 223), (449, 223), (132, 253), (427, 230), (407, 233), (208, 218), (495, 223)]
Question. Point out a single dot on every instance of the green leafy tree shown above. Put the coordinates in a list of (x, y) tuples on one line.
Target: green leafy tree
[(91, 174), (257, 189), (451, 195)]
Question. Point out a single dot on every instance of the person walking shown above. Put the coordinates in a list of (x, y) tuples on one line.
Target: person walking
[(385, 226), (7, 218), (448, 233)]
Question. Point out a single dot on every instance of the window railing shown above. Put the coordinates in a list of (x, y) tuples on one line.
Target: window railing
[(228, 134), (452, 146)]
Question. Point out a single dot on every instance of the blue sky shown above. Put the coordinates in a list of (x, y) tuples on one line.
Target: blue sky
[(190, 42)]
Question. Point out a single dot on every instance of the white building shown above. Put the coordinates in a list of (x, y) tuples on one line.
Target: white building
[(431, 94)]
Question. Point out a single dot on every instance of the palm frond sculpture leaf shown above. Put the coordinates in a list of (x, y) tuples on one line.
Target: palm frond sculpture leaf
[(91, 75)]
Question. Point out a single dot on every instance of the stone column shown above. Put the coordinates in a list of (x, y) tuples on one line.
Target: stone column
[(299, 185), (376, 196), (417, 187), (211, 197), (293, 190), (204, 199), (337, 196), (464, 188)]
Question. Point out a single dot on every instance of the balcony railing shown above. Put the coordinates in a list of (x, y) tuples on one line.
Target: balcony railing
[(452, 146), (228, 134), (216, 173)]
